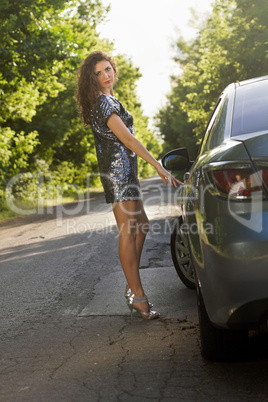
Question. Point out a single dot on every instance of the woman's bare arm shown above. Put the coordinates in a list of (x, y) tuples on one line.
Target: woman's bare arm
[(121, 131)]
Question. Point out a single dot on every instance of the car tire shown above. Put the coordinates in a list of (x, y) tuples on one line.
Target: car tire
[(181, 254), (219, 344)]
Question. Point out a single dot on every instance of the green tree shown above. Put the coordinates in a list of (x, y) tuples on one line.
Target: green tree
[(230, 46), (172, 122), (42, 48), (38, 52)]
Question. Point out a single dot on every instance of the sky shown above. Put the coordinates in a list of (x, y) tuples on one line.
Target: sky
[(144, 30)]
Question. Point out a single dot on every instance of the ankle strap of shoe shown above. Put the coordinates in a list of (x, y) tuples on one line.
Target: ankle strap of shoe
[(140, 299)]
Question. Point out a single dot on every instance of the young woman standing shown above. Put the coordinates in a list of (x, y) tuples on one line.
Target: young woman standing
[(117, 149)]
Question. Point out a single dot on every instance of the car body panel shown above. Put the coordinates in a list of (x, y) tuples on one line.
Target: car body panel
[(256, 144)]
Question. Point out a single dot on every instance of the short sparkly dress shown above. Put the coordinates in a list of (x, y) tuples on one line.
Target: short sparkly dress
[(117, 164)]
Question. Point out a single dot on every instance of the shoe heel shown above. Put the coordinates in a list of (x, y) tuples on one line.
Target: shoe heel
[(130, 306)]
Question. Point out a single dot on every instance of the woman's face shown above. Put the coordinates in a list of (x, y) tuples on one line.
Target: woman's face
[(104, 73)]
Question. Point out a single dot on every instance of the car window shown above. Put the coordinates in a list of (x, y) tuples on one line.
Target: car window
[(216, 128), (251, 109)]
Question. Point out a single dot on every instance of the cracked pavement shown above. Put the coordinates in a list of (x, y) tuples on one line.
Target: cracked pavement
[(66, 333)]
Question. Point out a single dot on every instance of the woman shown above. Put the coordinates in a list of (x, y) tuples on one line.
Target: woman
[(117, 149)]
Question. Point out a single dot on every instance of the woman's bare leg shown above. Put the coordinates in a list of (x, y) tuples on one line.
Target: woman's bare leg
[(132, 226), (143, 228)]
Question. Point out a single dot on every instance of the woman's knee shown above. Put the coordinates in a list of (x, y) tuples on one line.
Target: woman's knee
[(128, 229), (143, 227), (143, 223)]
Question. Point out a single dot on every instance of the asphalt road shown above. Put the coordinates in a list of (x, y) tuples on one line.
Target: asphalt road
[(66, 333)]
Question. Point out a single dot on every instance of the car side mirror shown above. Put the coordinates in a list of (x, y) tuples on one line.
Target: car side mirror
[(177, 160)]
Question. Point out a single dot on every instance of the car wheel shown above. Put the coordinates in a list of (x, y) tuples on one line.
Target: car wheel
[(219, 344), (181, 254)]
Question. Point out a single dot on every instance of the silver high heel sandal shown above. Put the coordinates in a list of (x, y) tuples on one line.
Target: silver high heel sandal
[(128, 293), (148, 315)]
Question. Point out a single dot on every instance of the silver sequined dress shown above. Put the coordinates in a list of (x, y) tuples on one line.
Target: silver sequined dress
[(117, 164)]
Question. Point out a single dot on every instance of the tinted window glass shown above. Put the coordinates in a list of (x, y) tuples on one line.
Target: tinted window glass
[(215, 132), (251, 109)]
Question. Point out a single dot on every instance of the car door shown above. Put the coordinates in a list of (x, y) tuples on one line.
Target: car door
[(193, 203)]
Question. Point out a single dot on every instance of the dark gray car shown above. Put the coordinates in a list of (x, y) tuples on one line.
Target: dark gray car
[(220, 243)]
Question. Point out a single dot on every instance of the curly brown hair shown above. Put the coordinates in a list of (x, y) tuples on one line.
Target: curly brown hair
[(87, 86)]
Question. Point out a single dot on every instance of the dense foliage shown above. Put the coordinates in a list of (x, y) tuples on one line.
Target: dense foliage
[(232, 45), (42, 46), (44, 42)]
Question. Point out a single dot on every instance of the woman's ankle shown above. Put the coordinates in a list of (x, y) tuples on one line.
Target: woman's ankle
[(139, 292)]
